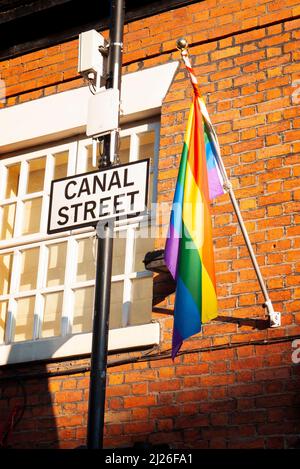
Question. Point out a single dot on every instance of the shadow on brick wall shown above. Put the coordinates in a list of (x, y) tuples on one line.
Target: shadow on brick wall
[(27, 417)]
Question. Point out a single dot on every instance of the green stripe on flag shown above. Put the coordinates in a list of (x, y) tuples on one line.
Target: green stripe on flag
[(190, 267)]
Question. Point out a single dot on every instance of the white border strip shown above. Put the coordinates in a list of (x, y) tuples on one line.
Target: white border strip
[(79, 344), (65, 114)]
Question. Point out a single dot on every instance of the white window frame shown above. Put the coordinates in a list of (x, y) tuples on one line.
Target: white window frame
[(18, 243), (66, 117)]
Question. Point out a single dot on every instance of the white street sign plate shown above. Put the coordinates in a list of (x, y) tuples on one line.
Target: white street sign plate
[(85, 199)]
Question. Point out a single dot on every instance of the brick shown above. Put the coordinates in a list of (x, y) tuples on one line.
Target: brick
[(217, 380), (139, 427), (245, 287), (275, 443), (273, 83), (139, 388), (191, 421), (116, 378), (291, 135), (191, 381), (165, 425), (139, 376), (139, 401), (166, 411), (69, 384), (247, 58), (257, 443), (247, 78), (246, 389), (272, 373), (68, 396), (251, 362), (54, 386), (277, 428), (139, 413), (249, 122), (166, 372), (69, 421), (188, 396), (165, 386), (249, 417), (275, 198), (120, 390)]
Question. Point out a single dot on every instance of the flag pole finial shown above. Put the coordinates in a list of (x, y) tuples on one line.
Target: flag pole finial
[(182, 44)]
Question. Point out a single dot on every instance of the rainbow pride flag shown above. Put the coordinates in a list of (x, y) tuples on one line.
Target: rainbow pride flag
[(189, 248)]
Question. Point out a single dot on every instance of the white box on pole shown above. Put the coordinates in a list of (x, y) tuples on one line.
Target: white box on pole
[(90, 58), (103, 109)]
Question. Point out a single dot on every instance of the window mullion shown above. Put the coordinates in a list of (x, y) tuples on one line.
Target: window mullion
[(79, 157), (39, 301), (12, 305), (21, 193), (134, 147), (153, 196), (70, 272), (3, 177), (49, 171), (74, 157), (10, 321), (127, 290)]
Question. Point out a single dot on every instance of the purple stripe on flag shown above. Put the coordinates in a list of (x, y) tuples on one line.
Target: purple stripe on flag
[(176, 342), (172, 250), (214, 183)]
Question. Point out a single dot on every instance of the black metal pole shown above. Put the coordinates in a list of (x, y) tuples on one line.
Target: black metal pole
[(96, 410), (100, 340)]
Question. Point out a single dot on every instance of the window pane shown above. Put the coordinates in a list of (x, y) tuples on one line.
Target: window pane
[(89, 166), (24, 319), (3, 315), (12, 180), (5, 273), (116, 302), (124, 149), (146, 146), (86, 261), (119, 253), (29, 269), (60, 164), (89, 158), (142, 246), (36, 173), (83, 310), (141, 307), (52, 314), (32, 216), (8, 221), (56, 264), (84, 307)]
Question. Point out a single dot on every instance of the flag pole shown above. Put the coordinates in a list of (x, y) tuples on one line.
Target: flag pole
[(275, 317)]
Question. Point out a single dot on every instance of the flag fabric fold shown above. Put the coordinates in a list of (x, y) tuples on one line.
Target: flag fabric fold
[(189, 249)]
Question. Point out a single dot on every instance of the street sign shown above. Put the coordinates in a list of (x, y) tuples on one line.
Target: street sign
[(85, 199)]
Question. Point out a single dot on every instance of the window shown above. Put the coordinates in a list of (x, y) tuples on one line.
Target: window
[(47, 282)]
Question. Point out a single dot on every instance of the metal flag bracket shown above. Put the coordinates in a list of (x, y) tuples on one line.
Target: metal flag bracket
[(275, 316)]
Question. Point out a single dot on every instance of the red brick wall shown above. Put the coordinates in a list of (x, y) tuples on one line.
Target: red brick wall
[(245, 56)]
